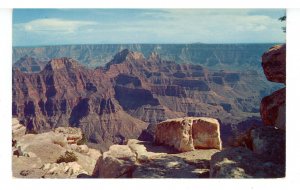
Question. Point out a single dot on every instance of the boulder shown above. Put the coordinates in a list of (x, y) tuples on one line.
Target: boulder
[(139, 148), (274, 64), (243, 163), (269, 143), (272, 109), (47, 146), (88, 160), (80, 148), (118, 161), (206, 133), (188, 133), (72, 134)]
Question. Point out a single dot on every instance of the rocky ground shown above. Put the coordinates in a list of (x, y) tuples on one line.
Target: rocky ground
[(140, 159), (37, 155)]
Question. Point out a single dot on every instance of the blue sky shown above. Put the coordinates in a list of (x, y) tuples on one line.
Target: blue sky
[(33, 27)]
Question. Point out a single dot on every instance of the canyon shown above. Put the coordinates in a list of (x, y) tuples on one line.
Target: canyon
[(213, 56), (130, 94), (150, 118)]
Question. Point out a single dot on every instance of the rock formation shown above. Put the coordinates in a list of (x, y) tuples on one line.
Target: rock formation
[(274, 63), (36, 155), (273, 107), (214, 56), (30, 64), (264, 156), (186, 134), (139, 159), (119, 101), (242, 163)]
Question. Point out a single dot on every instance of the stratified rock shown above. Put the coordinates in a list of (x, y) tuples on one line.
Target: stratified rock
[(72, 134), (269, 142), (117, 102), (118, 161), (242, 163), (186, 134), (274, 63), (30, 64), (272, 109)]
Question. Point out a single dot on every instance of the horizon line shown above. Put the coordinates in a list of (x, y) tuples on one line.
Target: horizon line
[(200, 43)]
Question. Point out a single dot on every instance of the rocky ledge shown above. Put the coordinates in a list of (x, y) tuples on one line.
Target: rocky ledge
[(139, 159), (55, 154)]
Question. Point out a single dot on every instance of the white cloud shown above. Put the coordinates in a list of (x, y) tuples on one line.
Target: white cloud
[(163, 26), (53, 25)]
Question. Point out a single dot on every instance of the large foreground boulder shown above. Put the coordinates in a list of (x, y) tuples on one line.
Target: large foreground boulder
[(188, 133), (243, 163), (272, 109), (274, 63)]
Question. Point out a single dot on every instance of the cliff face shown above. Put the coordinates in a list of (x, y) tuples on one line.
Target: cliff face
[(273, 107), (30, 64), (119, 101)]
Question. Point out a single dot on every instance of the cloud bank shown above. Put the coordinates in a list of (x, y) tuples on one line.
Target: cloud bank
[(52, 26)]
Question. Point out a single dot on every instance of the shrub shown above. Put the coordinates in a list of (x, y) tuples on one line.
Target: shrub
[(68, 157)]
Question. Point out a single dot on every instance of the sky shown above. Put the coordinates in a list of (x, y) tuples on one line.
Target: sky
[(36, 27)]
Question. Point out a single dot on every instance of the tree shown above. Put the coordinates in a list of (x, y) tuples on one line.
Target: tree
[(283, 19)]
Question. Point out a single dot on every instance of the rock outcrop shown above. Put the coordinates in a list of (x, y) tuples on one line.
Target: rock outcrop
[(73, 135), (269, 143), (272, 108), (189, 133), (242, 163), (18, 130), (139, 159), (30, 64), (274, 63), (264, 156), (37, 155)]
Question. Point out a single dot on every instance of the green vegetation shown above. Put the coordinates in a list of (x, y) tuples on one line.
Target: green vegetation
[(283, 19), (68, 157)]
